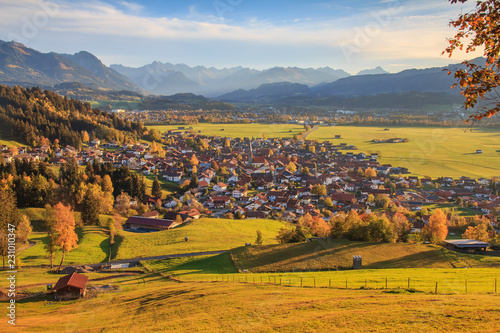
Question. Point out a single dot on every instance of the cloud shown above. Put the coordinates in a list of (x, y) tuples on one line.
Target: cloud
[(390, 31), (133, 7)]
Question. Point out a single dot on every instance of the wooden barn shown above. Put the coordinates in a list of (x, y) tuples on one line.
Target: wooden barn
[(139, 222), (71, 286)]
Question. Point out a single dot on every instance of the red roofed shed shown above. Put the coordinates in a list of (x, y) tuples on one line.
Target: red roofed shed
[(71, 286)]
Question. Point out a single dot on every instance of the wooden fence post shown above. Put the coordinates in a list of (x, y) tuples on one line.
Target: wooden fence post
[(301, 282), (408, 283), (436, 290), (385, 283), (330, 283)]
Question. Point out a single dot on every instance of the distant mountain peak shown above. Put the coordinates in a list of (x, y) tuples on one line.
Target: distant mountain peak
[(376, 70)]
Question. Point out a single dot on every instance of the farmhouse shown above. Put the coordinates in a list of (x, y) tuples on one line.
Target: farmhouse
[(71, 286), (138, 222)]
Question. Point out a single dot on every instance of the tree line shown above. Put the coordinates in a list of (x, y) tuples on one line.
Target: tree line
[(35, 117)]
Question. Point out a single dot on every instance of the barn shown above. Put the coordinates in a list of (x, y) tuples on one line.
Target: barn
[(466, 244), (140, 223), (71, 286)]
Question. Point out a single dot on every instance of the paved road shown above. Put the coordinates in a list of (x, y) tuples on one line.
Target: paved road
[(315, 128), (136, 260)]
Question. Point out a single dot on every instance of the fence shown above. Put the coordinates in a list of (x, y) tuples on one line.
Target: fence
[(391, 284)]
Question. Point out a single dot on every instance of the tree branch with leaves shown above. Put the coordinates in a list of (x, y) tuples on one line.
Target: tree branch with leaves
[(478, 83)]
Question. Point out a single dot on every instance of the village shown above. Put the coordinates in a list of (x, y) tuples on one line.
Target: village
[(270, 178)]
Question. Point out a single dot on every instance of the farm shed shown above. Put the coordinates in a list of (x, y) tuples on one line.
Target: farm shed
[(71, 286), (466, 244), (136, 222)]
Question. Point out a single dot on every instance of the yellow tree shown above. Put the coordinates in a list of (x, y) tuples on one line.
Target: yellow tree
[(291, 167), (479, 233), (194, 160), (370, 173), (67, 238), (437, 229)]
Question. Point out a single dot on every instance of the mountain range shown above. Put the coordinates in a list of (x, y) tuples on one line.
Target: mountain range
[(166, 78), (21, 65)]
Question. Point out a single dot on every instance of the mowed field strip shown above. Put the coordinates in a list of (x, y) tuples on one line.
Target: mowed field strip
[(431, 151)]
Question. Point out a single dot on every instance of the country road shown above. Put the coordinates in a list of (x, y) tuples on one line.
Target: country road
[(315, 128)]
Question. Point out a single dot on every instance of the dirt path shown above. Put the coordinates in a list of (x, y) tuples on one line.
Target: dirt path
[(315, 128)]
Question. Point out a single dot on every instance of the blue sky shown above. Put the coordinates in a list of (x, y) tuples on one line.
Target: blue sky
[(351, 35)]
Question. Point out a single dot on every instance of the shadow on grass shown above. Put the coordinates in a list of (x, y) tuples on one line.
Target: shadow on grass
[(422, 259), (116, 246)]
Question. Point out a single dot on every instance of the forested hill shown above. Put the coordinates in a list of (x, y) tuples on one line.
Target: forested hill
[(34, 117)]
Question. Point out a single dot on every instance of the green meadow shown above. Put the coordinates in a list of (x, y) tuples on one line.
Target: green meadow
[(431, 151), (204, 235)]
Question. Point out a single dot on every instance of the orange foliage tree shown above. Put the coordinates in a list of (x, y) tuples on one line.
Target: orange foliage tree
[(478, 29), (437, 229), (67, 238)]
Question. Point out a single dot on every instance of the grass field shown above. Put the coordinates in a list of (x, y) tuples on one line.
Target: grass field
[(151, 303), (462, 211), (431, 151), (10, 143), (240, 130), (204, 235)]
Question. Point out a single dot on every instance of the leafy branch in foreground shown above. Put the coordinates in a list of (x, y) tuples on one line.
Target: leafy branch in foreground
[(479, 28)]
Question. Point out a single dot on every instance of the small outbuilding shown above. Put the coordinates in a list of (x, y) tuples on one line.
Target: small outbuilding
[(71, 286), (467, 244)]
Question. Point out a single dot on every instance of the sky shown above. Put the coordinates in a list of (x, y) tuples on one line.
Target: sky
[(350, 35)]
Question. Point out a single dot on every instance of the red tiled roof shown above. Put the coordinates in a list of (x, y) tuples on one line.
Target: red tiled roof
[(74, 280)]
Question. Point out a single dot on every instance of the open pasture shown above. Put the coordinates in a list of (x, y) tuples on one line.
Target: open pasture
[(431, 151)]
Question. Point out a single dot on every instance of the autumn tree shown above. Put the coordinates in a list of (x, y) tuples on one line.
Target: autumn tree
[(436, 230), (122, 203), (91, 205), (479, 233), (370, 173), (381, 230), (9, 215), (194, 160), (478, 29), (50, 227), (24, 230), (319, 190), (67, 239), (291, 167)]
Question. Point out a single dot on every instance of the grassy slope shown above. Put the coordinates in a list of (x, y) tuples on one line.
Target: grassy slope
[(204, 235), (431, 151), (337, 254), (150, 303)]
